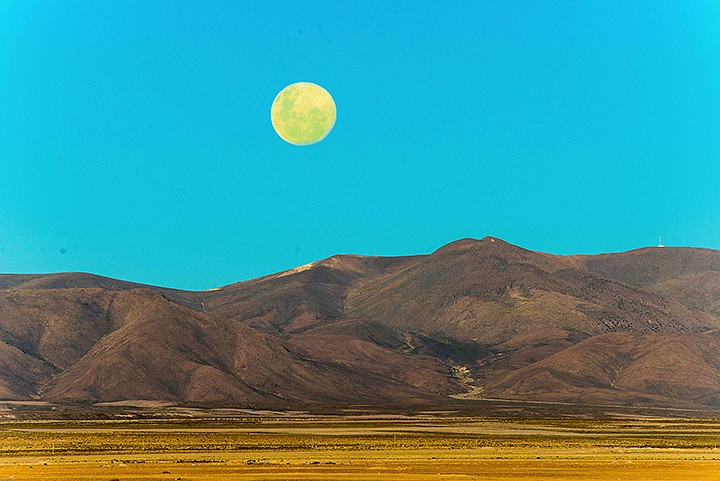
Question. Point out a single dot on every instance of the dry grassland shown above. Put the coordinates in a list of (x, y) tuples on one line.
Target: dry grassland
[(347, 448)]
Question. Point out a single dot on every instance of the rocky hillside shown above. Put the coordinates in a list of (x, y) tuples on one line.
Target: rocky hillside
[(476, 315)]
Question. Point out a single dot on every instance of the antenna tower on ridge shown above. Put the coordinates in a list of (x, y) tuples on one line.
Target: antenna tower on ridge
[(660, 244)]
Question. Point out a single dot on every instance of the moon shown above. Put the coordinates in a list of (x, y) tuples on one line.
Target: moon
[(303, 113)]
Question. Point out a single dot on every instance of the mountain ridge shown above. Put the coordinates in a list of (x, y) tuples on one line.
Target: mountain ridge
[(479, 315)]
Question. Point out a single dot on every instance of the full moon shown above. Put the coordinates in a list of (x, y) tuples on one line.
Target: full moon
[(303, 113)]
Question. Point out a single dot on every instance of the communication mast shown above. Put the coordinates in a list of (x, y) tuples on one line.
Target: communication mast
[(660, 244)]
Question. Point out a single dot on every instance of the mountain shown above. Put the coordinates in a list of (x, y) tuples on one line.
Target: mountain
[(483, 316), (96, 345), (492, 291), (690, 276), (623, 368), (297, 299), (63, 280)]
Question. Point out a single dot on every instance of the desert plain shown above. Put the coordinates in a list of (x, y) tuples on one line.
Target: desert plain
[(518, 443)]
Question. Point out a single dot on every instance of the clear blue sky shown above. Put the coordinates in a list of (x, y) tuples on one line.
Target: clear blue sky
[(135, 138)]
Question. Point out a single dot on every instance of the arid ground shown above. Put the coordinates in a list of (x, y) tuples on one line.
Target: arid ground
[(300, 446)]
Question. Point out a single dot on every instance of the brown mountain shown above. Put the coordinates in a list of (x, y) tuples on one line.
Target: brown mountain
[(690, 276), (63, 280), (295, 300), (623, 368), (97, 345), (492, 291), (509, 323)]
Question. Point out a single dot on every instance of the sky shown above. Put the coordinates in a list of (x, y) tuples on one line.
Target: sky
[(136, 142)]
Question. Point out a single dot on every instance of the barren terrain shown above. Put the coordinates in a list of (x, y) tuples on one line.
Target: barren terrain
[(481, 319), (303, 446)]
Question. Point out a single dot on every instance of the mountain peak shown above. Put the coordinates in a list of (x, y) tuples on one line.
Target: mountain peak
[(64, 280), (469, 243)]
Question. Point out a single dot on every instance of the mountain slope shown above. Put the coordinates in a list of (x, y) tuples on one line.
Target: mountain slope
[(623, 368), (137, 344), (688, 275), (630, 328), (59, 326), (64, 280), (491, 291), (299, 298)]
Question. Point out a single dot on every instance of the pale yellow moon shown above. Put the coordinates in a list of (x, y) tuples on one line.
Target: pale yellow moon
[(303, 113)]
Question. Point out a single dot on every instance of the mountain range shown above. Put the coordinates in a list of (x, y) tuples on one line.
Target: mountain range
[(476, 319)]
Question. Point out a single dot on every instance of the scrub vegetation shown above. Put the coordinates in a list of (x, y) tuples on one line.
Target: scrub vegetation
[(314, 447)]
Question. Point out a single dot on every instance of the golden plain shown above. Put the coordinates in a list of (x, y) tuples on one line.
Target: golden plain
[(402, 448)]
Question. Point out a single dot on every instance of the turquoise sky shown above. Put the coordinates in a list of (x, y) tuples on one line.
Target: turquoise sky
[(135, 137)]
